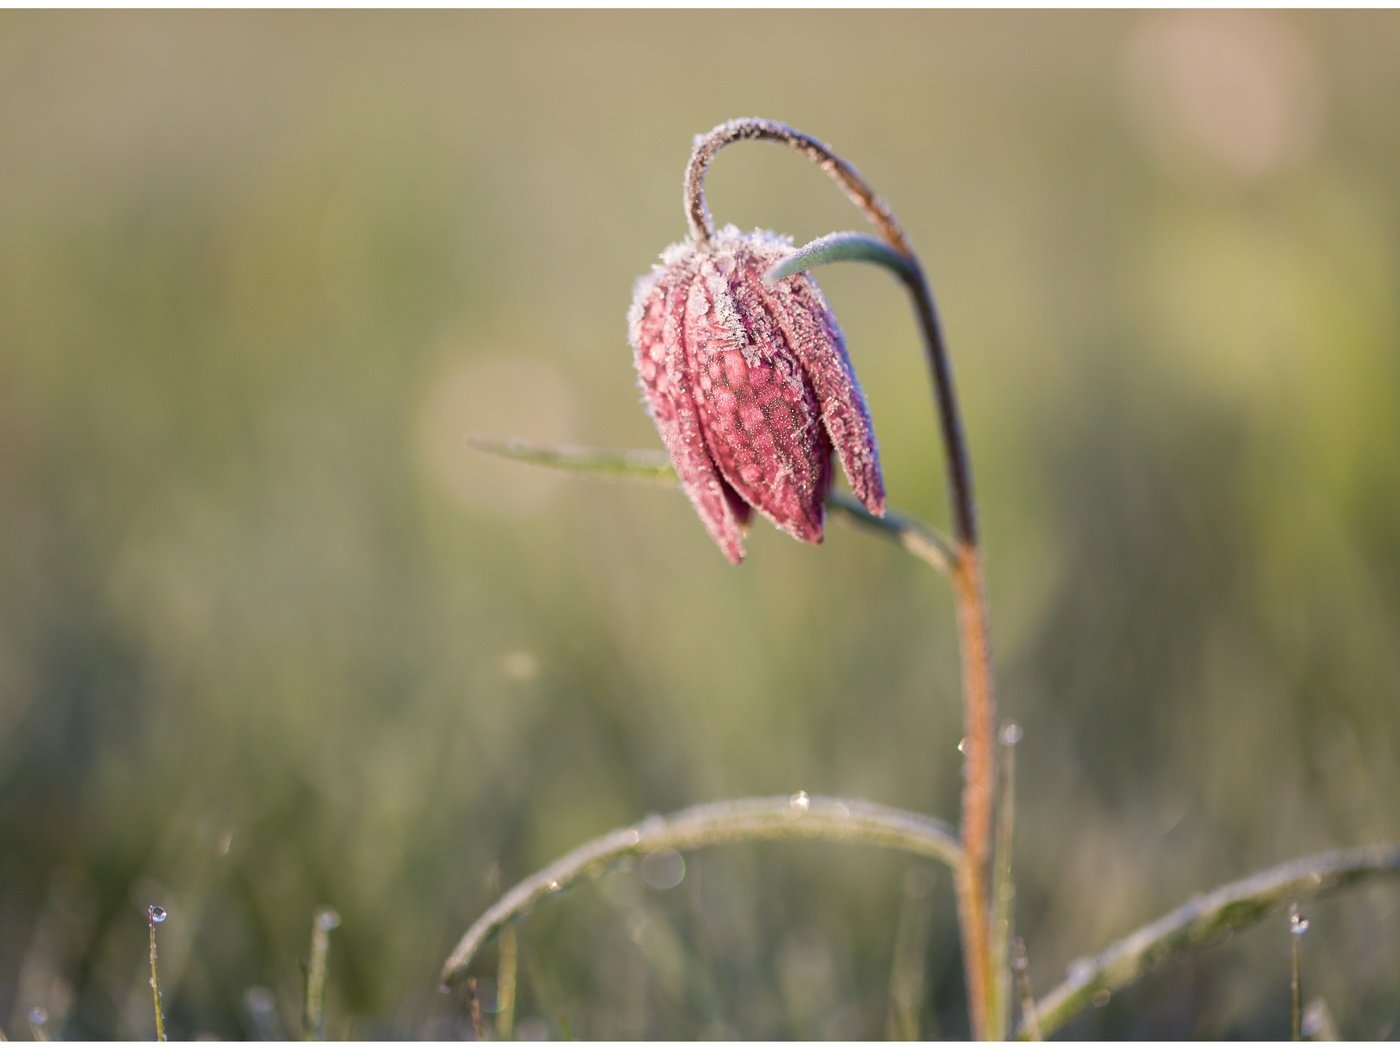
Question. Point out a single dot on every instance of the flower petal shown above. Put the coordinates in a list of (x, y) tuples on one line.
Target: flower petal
[(759, 415), (656, 334), (817, 342)]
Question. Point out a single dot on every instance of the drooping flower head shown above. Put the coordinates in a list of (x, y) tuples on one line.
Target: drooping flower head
[(750, 387)]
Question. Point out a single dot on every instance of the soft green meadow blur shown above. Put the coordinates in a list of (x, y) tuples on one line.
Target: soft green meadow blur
[(273, 638)]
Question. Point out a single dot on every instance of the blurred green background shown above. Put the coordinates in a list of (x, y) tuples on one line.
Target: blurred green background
[(273, 638)]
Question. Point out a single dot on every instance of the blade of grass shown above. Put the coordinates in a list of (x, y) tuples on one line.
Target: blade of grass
[(313, 1022), (1023, 981), (1297, 926), (1003, 883), (744, 820), (1198, 922), (653, 468), (505, 983), (155, 915), (907, 972)]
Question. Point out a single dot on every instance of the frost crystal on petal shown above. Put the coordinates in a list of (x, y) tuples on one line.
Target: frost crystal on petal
[(750, 387)]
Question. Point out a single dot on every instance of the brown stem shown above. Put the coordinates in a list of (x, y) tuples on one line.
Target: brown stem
[(702, 227), (979, 700)]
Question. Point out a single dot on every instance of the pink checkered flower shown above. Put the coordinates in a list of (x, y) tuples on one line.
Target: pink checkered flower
[(750, 387)]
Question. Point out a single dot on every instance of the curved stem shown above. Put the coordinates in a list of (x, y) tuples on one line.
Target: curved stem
[(979, 700), (742, 820), (1205, 918), (756, 129)]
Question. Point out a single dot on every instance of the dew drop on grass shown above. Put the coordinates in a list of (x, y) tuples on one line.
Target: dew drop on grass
[(800, 801), (1298, 924), (327, 919), (962, 746), (553, 885), (38, 1016), (156, 914), (663, 869), (1010, 734)]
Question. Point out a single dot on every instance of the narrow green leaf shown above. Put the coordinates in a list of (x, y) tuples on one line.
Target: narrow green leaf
[(1205, 918), (798, 817), (642, 465), (843, 247), (653, 468)]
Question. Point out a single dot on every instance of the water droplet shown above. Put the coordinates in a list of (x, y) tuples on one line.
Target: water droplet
[(654, 824), (633, 836), (800, 801), (1010, 734), (1298, 924), (1081, 970), (962, 746), (663, 870), (1101, 998), (156, 914), (38, 1016), (327, 919), (259, 1000), (553, 885)]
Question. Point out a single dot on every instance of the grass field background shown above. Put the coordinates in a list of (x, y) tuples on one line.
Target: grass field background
[(272, 637)]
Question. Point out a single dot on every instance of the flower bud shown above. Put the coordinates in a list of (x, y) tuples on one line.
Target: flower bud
[(750, 387)]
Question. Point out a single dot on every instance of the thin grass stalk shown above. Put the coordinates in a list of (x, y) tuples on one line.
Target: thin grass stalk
[(1297, 926), (907, 969), (1003, 883), (155, 915), (1029, 1019), (474, 1011), (313, 1015), (508, 965)]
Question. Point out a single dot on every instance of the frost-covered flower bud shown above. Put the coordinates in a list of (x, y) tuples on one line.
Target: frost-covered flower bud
[(750, 387)]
